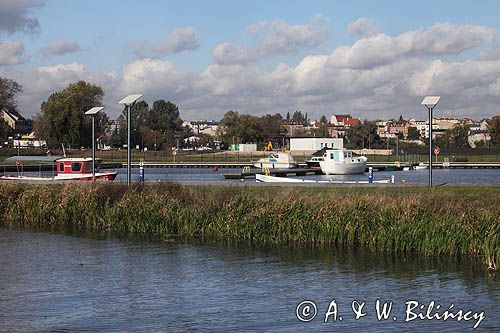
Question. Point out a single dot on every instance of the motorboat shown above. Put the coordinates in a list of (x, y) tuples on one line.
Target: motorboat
[(342, 162), (421, 166), (273, 179), (279, 160), (68, 169), (314, 161)]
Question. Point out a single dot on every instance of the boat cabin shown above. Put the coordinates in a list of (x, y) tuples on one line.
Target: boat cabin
[(75, 165), (338, 155)]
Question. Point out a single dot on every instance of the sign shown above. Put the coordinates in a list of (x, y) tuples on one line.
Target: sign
[(437, 151)]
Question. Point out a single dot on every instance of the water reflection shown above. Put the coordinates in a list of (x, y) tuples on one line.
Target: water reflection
[(51, 282)]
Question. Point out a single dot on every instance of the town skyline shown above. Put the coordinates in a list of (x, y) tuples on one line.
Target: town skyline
[(208, 58)]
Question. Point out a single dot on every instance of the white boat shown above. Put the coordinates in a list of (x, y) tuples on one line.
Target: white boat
[(68, 169), (314, 162), (421, 166), (342, 162), (276, 161), (273, 179)]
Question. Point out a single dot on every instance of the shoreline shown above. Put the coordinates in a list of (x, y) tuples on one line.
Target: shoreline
[(448, 220)]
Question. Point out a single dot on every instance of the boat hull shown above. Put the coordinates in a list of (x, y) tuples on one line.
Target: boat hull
[(340, 168), (100, 176), (272, 179), (274, 165)]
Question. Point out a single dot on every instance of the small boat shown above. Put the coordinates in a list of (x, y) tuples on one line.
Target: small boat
[(314, 162), (276, 161), (342, 162), (421, 166), (273, 179), (69, 169)]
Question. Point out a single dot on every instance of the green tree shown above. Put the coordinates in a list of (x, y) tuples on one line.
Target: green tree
[(363, 135), (272, 126), (138, 114), (323, 120), (495, 131), (9, 89), (320, 132), (413, 133), (63, 120), (241, 128)]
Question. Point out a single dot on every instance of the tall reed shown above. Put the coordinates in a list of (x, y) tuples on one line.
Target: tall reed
[(446, 221)]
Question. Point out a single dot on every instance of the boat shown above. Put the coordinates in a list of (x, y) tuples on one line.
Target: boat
[(276, 161), (421, 166), (260, 178), (342, 162), (69, 169), (314, 161)]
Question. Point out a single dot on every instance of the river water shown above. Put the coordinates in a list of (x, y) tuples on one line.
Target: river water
[(440, 176), (64, 283)]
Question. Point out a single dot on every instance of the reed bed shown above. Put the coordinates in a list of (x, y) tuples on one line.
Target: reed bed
[(442, 221)]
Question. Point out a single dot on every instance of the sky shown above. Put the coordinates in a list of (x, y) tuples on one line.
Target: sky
[(370, 59)]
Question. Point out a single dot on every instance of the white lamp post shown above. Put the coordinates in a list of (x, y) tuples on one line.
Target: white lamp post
[(430, 103), (92, 112), (129, 101)]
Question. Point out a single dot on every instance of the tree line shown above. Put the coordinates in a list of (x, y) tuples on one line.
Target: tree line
[(159, 126)]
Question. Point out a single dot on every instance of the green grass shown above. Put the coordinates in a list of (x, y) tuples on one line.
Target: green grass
[(442, 221)]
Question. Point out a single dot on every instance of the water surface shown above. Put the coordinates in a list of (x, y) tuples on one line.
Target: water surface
[(53, 282)]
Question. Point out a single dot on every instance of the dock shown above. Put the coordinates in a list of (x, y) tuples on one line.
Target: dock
[(274, 172)]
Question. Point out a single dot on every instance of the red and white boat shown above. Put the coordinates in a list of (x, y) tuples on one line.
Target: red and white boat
[(69, 169)]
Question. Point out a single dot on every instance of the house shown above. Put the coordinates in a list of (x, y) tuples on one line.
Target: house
[(342, 120), (315, 144), (15, 121)]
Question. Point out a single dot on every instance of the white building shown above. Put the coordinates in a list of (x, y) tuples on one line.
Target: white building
[(314, 144), (247, 147)]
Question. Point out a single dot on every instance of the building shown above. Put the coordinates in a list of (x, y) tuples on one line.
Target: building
[(15, 121), (344, 120), (315, 144), (208, 127)]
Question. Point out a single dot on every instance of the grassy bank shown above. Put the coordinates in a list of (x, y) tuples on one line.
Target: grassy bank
[(443, 221)]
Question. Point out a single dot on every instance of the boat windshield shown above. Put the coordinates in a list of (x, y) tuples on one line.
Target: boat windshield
[(347, 154), (87, 167)]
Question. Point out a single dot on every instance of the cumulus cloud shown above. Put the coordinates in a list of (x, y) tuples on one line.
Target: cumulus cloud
[(15, 15), (439, 39), (61, 47), (11, 52), (363, 27), (318, 84), (277, 37), (179, 40)]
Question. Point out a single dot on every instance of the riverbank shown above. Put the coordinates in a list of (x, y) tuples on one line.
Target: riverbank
[(451, 221)]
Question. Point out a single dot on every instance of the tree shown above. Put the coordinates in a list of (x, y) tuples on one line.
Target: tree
[(63, 120), (460, 136), (323, 120), (320, 132), (138, 114), (9, 89), (288, 116), (413, 133), (272, 126), (495, 131), (241, 127), (363, 135)]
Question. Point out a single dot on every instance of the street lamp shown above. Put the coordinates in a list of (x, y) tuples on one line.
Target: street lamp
[(92, 112), (430, 103), (129, 101)]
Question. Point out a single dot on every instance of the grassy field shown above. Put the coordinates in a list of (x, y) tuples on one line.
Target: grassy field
[(450, 221)]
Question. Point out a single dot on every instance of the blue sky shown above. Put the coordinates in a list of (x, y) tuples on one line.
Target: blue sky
[(373, 59)]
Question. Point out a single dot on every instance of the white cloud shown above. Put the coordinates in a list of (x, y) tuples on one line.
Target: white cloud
[(439, 39), (11, 52), (363, 27), (61, 47), (278, 37), (179, 40), (375, 85), (15, 15)]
